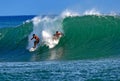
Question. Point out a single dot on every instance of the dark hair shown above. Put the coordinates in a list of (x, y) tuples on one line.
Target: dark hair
[(33, 34), (56, 31)]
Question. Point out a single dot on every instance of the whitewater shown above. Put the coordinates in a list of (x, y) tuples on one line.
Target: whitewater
[(89, 49)]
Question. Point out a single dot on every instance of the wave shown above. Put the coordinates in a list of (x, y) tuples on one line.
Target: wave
[(14, 38), (91, 36), (85, 36)]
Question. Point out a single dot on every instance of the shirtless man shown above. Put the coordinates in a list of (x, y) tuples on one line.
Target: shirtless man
[(57, 35), (54, 37), (36, 40)]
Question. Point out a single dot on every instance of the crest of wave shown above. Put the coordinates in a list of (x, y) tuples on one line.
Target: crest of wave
[(68, 13), (92, 12)]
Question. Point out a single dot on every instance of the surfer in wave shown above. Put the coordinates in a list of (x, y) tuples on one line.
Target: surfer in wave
[(57, 35), (36, 40)]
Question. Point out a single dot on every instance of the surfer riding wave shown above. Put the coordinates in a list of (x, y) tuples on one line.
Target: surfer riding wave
[(57, 35), (36, 40)]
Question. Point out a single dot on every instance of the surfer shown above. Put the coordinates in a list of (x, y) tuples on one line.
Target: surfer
[(57, 35), (36, 40)]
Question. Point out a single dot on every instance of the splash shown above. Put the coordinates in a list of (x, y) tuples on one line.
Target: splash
[(45, 27), (92, 12), (68, 13), (48, 39)]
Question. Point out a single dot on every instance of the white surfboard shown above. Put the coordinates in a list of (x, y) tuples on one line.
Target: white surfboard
[(32, 49)]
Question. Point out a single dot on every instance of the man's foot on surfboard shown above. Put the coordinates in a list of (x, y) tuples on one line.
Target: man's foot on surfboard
[(32, 49)]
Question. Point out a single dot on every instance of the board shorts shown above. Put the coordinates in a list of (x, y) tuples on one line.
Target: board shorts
[(37, 41)]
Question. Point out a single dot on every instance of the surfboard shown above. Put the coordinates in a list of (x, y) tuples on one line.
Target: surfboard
[(32, 49)]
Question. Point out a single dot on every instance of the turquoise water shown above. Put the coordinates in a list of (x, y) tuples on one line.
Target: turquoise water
[(89, 49), (100, 70), (91, 37), (85, 37)]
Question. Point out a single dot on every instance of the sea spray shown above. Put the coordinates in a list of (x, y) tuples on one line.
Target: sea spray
[(47, 24)]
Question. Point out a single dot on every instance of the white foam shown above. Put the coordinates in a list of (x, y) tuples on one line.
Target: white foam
[(36, 20), (47, 24), (91, 12), (68, 13), (48, 39), (72, 13)]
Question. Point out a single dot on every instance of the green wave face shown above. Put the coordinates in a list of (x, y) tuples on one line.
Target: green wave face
[(15, 38), (91, 37)]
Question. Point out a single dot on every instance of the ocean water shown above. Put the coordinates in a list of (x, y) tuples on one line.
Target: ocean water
[(89, 50)]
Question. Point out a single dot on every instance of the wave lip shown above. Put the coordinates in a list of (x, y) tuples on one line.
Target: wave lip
[(85, 37)]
